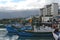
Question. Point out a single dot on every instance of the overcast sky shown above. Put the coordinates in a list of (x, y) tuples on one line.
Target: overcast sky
[(24, 4), (22, 8)]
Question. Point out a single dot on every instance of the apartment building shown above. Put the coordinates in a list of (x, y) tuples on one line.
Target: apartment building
[(50, 10)]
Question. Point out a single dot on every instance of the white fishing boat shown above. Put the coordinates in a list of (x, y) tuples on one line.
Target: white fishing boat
[(56, 34)]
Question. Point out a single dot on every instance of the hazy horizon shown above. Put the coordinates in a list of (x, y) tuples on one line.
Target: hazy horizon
[(22, 8), (18, 13)]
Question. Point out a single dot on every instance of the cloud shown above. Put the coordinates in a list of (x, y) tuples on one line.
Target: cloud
[(3, 2), (24, 4), (17, 0)]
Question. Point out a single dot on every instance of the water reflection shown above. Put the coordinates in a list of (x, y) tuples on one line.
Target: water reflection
[(11, 38), (15, 37), (19, 38)]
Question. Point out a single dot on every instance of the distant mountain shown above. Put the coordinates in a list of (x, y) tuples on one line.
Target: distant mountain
[(18, 13)]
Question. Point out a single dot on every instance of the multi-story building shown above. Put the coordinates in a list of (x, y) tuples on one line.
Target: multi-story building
[(50, 10), (43, 11), (58, 11), (55, 8)]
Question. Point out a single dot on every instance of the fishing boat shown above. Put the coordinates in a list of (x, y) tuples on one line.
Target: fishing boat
[(56, 26), (56, 34), (26, 31)]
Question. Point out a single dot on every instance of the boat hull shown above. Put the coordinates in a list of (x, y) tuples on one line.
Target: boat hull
[(14, 31), (35, 34), (56, 37)]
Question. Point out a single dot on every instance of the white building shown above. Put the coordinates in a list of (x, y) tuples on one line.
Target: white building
[(45, 19), (50, 10), (54, 10)]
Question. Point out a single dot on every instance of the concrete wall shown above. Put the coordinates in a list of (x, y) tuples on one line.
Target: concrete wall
[(44, 19)]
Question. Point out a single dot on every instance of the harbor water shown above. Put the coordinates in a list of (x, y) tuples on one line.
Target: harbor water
[(3, 36)]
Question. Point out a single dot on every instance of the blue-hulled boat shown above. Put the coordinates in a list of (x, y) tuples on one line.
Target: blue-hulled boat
[(22, 33)]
